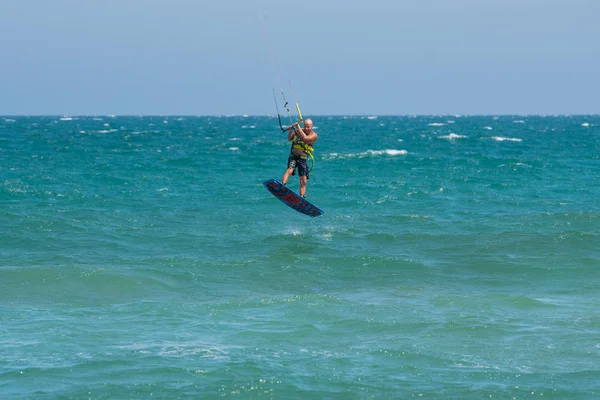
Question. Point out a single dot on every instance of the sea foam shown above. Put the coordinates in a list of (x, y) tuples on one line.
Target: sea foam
[(506, 139)]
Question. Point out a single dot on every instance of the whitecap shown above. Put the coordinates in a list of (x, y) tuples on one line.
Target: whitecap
[(453, 136), (585, 124), (372, 117), (502, 139), (436, 124), (66, 119), (390, 152), (293, 231), (369, 153), (234, 148), (488, 128), (376, 153)]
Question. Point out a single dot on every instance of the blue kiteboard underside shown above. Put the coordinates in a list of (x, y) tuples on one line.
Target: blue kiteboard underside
[(292, 199)]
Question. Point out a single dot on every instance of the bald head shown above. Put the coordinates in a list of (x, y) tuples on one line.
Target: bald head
[(308, 123)]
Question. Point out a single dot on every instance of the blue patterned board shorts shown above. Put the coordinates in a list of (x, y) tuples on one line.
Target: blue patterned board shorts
[(295, 161)]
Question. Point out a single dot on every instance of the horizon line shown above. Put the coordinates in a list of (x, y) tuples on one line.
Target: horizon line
[(456, 115)]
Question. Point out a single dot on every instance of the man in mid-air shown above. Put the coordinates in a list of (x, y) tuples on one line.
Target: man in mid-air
[(303, 140)]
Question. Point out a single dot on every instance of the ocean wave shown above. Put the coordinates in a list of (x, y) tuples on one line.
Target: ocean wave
[(436, 124), (453, 136), (368, 153), (507, 139), (519, 164)]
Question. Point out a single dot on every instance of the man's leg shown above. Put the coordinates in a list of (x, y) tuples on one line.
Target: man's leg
[(291, 167), (302, 186), (286, 176)]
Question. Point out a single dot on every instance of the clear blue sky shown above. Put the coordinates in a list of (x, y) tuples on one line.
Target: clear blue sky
[(210, 57)]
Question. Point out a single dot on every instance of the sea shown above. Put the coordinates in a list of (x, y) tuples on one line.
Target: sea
[(141, 257)]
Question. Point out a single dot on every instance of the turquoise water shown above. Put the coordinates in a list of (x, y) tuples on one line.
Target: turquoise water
[(458, 258)]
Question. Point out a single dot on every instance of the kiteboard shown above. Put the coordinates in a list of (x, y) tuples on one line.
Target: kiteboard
[(292, 199)]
